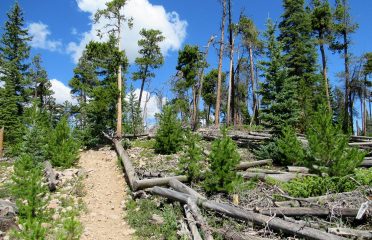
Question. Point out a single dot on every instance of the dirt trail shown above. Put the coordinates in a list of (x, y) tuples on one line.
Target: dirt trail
[(105, 187)]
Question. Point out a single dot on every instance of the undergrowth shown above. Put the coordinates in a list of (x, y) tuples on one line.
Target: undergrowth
[(139, 215)]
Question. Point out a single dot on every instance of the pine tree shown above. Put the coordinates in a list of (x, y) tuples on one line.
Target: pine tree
[(223, 159), (14, 50), (328, 146), (62, 148), (169, 136), (134, 116), (190, 161), (151, 57), (300, 54), (322, 26), (190, 61), (40, 84), (279, 105), (343, 27), (30, 192)]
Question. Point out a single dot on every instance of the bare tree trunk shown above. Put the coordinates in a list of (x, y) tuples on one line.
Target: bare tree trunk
[(120, 86), (219, 83), (348, 122), (230, 104), (196, 113), (1, 142), (324, 62), (253, 85)]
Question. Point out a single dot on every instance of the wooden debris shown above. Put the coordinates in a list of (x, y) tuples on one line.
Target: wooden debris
[(50, 175), (192, 225), (304, 211), (180, 187), (238, 213), (245, 165), (149, 183), (298, 169), (351, 233)]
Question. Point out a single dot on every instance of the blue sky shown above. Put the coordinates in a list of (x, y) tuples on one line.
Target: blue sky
[(62, 28)]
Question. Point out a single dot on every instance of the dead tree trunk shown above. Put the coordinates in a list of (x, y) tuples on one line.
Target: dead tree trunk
[(50, 176), (219, 81), (2, 142), (238, 213)]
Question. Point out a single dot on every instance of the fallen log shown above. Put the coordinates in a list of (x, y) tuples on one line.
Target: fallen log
[(191, 222), (285, 177), (245, 165), (238, 213), (200, 220), (130, 173), (298, 169), (231, 235), (351, 233), (366, 163), (152, 182), (50, 175), (180, 187), (304, 211)]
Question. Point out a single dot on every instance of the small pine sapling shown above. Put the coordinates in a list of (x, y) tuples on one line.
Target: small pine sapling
[(30, 192), (222, 176), (63, 147), (190, 162), (169, 136), (328, 146), (290, 148)]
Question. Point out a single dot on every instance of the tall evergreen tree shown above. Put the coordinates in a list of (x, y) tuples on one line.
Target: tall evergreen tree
[(14, 51), (343, 28), (113, 12), (40, 84), (322, 27), (151, 57), (300, 54), (190, 61), (279, 101)]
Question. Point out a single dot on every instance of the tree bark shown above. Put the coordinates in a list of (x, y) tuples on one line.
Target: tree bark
[(1, 142), (50, 176), (191, 222), (245, 165), (325, 77), (255, 110), (304, 211), (348, 122), (230, 99), (219, 82), (149, 183), (351, 233), (241, 214), (120, 86)]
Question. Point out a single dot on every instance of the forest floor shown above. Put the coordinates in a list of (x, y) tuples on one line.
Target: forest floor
[(105, 197)]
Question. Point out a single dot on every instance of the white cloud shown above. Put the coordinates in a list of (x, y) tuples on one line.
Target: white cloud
[(2, 84), (152, 104), (62, 93), (145, 15), (40, 37)]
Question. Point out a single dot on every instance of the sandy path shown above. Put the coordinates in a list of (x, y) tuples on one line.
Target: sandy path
[(105, 187)]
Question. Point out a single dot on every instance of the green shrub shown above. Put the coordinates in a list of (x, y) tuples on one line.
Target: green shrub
[(62, 147), (169, 136), (290, 148), (72, 228), (223, 160), (190, 162), (29, 191), (328, 146), (312, 186)]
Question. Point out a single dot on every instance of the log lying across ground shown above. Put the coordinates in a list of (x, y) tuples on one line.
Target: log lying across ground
[(351, 233), (133, 181), (257, 218), (50, 176), (304, 211), (283, 177), (246, 165)]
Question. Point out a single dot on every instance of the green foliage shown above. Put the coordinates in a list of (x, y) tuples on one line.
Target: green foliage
[(169, 136), (316, 186), (133, 119), (190, 162), (328, 146), (300, 55), (290, 148), (223, 160), (269, 151), (72, 228), (139, 212), (279, 96), (62, 146), (29, 190)]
